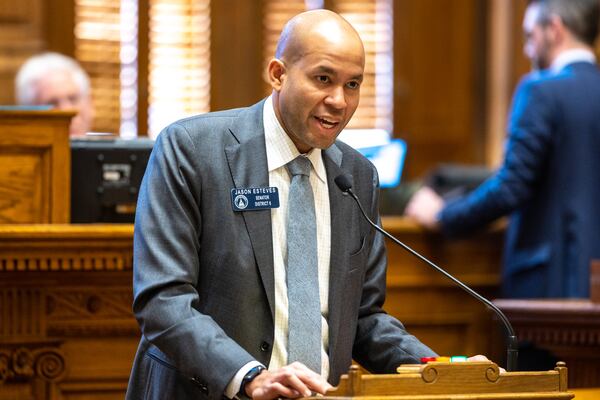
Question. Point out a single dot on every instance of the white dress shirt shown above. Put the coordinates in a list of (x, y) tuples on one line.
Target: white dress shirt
[(571, 56), (281, 150)]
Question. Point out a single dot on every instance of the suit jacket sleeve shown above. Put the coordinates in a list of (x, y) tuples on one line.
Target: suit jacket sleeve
[(381, 342), (526, 152), (166, 267)]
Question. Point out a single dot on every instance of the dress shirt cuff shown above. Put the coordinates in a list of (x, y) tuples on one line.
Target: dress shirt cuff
[(234, 384)]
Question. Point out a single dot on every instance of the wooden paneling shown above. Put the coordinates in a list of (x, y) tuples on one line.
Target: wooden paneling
[(28, 27), (66, 328), (432, 307), (236, 54), (22, 176), (59, 22), (35, 166), (21, 35), (439, 63), (569, 329), (65, 291)]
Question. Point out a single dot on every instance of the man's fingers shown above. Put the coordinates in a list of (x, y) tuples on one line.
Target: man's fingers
[(292, 381), (274, 390), (289, 381), (478, 357), (309, 378)]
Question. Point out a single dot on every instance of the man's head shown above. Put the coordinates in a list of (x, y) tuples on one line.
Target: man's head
[(316, 76), (56, 80), (553, 26)]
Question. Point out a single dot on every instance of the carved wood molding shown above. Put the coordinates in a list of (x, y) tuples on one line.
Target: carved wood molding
[(30, 361), (37, 314), (106, 247), (84, 261), (575, 336), (77, 312)]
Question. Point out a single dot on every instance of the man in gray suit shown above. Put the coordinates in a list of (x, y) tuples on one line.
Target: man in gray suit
[(209, 275)]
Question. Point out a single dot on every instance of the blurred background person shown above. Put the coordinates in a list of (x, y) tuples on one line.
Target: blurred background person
[(59, 81), (549, 179)]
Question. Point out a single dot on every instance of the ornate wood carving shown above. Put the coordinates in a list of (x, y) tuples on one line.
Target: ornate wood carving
[(67, 284), (22, 314), (90, 312), (44, 248), (32, 361)]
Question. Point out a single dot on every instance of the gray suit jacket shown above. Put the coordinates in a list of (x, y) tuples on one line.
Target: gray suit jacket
[(203, 274)]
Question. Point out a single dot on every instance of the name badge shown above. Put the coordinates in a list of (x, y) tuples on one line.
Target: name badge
[(251, 199)]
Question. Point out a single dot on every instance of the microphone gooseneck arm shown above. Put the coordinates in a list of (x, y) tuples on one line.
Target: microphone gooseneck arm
[(512, 349)]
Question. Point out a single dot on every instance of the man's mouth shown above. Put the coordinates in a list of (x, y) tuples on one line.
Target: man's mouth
[(327, 123)]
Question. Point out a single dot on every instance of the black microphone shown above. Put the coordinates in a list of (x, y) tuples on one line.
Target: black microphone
[(344, 182)]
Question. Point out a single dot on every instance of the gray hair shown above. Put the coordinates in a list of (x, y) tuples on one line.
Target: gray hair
[(581, 17), (36, 67)]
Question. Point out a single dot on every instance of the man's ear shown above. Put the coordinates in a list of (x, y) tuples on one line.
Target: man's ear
[(276, 73), (557, 29)]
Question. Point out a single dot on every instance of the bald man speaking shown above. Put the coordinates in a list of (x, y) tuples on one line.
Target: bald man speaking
[(231, 296)]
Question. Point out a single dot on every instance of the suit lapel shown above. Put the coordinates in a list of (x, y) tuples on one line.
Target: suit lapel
[(247, 161), (341, 209)]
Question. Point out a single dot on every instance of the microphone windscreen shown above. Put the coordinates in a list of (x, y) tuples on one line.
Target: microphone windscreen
[(344, 182)]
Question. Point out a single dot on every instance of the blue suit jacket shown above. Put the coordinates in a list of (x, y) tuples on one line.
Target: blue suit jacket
[(549, 183), (203, 273)]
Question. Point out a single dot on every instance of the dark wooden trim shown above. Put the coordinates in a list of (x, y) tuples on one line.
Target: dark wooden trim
[(59, 25), (143, 70), (236, 53)]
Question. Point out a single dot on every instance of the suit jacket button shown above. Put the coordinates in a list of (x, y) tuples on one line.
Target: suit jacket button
[(264, 346), (203, 387)]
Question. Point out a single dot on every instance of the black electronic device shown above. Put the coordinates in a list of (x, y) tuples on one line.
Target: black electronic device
[(105, 178), (457, 180)]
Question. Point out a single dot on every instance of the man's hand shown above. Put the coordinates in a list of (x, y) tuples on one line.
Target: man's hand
[(292, 381), (424, 206), (480, 357)]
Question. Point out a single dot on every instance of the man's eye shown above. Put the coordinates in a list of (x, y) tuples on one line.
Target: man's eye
[(353, 85), (323, 78)]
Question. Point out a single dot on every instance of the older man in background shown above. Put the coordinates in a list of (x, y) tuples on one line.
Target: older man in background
[(58, 81)]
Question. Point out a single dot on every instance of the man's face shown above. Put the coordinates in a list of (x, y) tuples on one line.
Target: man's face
[(319, 93), (538, 43), (60, 90)]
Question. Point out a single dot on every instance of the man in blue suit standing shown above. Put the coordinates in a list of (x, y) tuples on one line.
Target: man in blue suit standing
[(549, 182)]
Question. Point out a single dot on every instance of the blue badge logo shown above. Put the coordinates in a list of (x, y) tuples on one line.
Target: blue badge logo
[(253, 199), (241, 201)]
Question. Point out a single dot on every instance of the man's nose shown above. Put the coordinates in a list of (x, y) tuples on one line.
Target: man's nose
[(336, 98)]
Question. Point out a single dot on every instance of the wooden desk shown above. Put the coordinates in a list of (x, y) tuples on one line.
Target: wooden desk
[(431, 306), (570, 329), (586, 394), (67, 330), (66, 327), (456, 381)]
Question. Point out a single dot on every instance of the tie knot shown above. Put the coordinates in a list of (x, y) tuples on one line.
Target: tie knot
[(299, 166)]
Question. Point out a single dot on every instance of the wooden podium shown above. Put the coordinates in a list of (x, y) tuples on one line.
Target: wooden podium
[(35, 166), (455, 381)]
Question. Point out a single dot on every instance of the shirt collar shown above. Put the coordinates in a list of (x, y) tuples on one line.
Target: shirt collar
[(572, 56), (280, 148)]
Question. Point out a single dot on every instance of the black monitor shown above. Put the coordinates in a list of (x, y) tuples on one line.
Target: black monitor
[(105, 178)]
